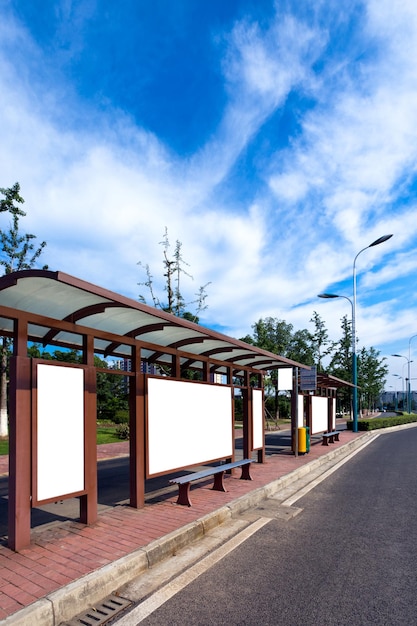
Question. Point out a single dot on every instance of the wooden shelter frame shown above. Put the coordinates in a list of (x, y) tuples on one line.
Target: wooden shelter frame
[(97, 321)]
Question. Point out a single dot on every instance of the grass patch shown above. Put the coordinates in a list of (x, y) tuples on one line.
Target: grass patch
[(107, 434), (4, 446)]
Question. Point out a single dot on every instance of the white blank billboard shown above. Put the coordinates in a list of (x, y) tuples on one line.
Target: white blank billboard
[(60, 431), (188, 424), (300, 412), (258, 419), (319, 414), (334, 414), (285, 382)]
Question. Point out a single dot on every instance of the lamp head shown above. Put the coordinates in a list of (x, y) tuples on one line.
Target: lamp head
[(400, 355), (380, 240), (328, 295)]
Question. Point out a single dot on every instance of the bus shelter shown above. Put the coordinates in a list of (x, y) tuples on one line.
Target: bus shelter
[(175, 422)]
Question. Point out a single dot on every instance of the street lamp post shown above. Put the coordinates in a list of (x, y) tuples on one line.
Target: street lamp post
[(409, 374), (402, 387), (355, 364), (354, 357)]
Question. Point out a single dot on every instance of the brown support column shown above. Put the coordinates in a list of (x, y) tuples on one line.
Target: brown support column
[(261, 451), (176, 366), (308, 406), (137, 432), (229, 381), (88, 502), (206, 371), (20, 457), (294, 412), (329, 414)]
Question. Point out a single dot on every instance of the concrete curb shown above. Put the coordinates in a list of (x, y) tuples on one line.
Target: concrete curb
[(63, 604)]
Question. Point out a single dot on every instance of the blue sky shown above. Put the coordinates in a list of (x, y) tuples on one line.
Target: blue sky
[(275, 140)]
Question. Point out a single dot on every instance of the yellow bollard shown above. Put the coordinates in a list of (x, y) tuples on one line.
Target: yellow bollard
[(302, 440)]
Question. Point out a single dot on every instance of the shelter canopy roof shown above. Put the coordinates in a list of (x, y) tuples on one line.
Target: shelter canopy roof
[(57, 305), (331, 382)]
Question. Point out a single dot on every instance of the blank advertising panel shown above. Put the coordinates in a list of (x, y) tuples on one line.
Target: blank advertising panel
[(285, 382), (300, 411), (188, 424), (60, 431), (258, 419), (318, 415)]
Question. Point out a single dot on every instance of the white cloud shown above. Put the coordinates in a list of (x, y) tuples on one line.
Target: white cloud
[(360, 141)]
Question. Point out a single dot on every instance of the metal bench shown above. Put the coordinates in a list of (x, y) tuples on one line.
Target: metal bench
[(184, 482), (330, 437)]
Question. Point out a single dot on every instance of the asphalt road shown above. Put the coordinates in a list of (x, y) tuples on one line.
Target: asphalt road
[(350, 557)]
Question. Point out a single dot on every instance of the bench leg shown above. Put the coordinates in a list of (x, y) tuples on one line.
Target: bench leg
[(245, 473), (218, 484), (184, 494), (325, 442), (336, 437)]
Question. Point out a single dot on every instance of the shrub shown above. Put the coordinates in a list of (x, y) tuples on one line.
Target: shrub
[(382, 422), (121, 416), (122, 431)]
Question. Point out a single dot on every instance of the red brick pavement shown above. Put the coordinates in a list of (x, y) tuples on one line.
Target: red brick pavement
[(66, 551)]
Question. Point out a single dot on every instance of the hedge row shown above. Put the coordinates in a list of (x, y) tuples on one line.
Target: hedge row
[(383, 422)]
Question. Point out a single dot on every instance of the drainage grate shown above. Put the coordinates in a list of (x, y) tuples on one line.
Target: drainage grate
[(101, 613)]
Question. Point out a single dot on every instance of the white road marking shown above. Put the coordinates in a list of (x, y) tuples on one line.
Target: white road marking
[(169, 590)]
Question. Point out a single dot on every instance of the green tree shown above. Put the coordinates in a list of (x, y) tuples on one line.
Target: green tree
[(271, 334), (18, 251), (321, 345), (36, 351), (278, 337), (372, 373), (173, 272), (67, 356), (112, 394), (11, 196), (301, 349)]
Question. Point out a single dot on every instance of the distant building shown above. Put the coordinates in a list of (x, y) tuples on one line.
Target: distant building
[(397, 400)]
